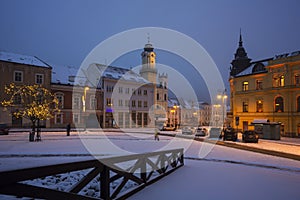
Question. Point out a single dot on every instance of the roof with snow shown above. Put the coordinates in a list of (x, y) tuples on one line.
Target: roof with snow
[(69, 75), (22, 59)]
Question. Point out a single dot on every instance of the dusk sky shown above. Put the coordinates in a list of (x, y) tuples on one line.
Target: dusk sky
[(64, 32)]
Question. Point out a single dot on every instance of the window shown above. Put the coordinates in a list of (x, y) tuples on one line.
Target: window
[(259, 106), (120, 102), (279, 104), (139, 91), (259, 85), (278, 81), (18, 76), (109, 102), (145, 92), (58, 119), (39, 78), (139, 104), (139, 118), (133, 103), (157, 96), (127, 90), (297, 79), (76, 102), (245, 106), (281, 81), (17, 99), (145, 104), (298, 104), (245, 85), (133, 91), (165, 97), (126, 103), (76, 118), (93, 102), (60, 98), (145, 119), (109, 88), (120, 90)]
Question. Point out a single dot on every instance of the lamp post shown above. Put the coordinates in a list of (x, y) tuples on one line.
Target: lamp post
[(175, 115), (223, 97), (84, 104)]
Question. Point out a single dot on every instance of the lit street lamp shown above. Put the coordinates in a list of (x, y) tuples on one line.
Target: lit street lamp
[(223, 97), (84, 104)]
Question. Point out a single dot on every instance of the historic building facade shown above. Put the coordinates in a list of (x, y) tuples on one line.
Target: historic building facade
[(21, 70), (266, 89), (150, 73)]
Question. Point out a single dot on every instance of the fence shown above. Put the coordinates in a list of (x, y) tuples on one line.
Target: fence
[(140, 169)]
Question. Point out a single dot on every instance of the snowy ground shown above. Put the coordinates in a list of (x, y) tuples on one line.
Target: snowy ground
[(210, 171)]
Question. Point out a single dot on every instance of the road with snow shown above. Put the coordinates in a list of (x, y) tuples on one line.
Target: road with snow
[(210, 171)]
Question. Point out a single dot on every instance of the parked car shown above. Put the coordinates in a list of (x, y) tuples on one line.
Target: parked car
[(250, 136), (201, 131), (188, 130), (4, 129), (230, 134), (215, 132)]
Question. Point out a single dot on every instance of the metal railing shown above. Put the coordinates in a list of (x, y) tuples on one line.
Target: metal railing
[(142, 169)]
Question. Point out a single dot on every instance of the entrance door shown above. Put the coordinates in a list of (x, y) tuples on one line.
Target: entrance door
[(245, 125)]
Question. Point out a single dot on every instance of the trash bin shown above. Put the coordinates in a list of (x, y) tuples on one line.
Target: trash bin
[(31, 136)]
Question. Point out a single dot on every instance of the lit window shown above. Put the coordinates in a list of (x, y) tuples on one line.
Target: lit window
[(279, 104), (281, 81), (259, 106), (245, 85), (18, 76), (39, 78), (109, 102)]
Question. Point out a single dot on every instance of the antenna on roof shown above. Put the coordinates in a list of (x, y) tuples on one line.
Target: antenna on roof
[(148, 37)]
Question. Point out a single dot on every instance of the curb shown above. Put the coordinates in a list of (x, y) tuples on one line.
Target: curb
[(241, 147)]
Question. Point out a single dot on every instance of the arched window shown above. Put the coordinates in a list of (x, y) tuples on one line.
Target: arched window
[(298, 104), (279, 104)]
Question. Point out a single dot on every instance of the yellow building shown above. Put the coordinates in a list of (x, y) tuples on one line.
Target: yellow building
[(267, 89)]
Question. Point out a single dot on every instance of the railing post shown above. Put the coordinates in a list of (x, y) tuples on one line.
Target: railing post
[(104, 183), (144, 169)]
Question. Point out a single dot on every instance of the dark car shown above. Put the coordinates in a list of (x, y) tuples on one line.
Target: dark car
[(200, 131), (230, 134), (4, 129), (250, 136)]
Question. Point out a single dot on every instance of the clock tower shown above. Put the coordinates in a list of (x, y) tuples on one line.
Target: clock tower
[(148, 71)]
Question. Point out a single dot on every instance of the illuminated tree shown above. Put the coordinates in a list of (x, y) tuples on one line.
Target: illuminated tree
[(30, 101)]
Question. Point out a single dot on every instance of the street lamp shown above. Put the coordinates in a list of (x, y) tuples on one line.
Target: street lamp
[(175, 115), (223, 97), (84, 103), (84, 98)]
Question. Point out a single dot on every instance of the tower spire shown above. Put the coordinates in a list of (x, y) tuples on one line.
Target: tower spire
[(241, 40), (148, 37)]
